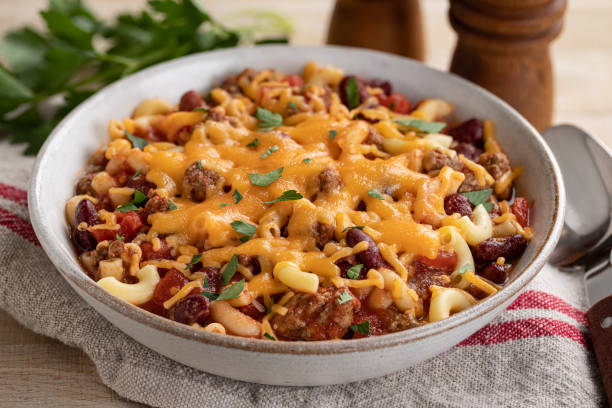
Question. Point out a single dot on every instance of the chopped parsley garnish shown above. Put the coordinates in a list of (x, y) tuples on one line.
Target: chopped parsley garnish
[(354, 271), (171, 205), (307, 160), (127, 208), (212, 296), (376, 194), (268, 152), (488, 206), (464, 268), (269, 336), (268, 120), (230, 269), (480, 197), (269, 308), (363, 328), (206, 285), (136, 174), (422, 125), (354, 226), (289, 195), (292, 105), (352, 93), (266, 179), (201, 109), (137, 142), (194, 260), (232, 292), (332, 133), (254, 143), (119, 237), (245, 228), (138, 200), (199, 164), (392, 106), (345, 297), (224, 204), (237, 196)]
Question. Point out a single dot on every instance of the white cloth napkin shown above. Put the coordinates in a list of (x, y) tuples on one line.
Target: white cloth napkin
[(537, 353)]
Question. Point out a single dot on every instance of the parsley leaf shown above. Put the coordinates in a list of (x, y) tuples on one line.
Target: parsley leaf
[(292, 105), (352, 93), (345, 297), (237, 196), (136, 174), (139, 198), (376, 194), (268, 152), (307, 160), (201, 109), (254, 143), (206, 285), (392, 105), (266, 179), (422, 125), (199, 165), (363, 328), (478, 196), (354, 226), (289, 195), (488, 206), (194, 260), (464, 268), (230, 269), (127, 207), (224, 204), (119, 237), (354, 271), (268, 120), (171, 205), (137, 142), (212, 296), (269, 336), (245, 228), (232, 292), (332, 133)]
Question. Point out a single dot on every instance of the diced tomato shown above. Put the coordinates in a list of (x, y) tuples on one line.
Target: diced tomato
[(294, 80), (129, 226), (154, 307), (396, 102), (445, 260), (148, 253), (173, 279), (520, 208)]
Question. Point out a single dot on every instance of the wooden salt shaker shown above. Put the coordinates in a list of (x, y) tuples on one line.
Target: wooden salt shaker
[(388, 25), (503, 46)]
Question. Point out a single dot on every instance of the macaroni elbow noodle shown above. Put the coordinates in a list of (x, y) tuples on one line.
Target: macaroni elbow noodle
[(289, 274), (234, 321), (474, 232), (135, 293), (445, 301)]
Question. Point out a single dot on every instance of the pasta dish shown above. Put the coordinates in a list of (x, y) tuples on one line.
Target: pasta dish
[(294, 207)]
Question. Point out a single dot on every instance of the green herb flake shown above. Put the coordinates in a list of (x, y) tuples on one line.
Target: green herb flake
[(392, 106), (292, 105), (224, 204), (307, 160), (268, 152), (119, 237), (422, 125), (354, 226), (363, 328), (376, 194), (206, 284), (139, 198), (201, 109), (345, 297), (268, 120), (199, 164), (254, 143), (464, 268), (352, 93), (137, 142), (266, 179), (237, 196), (488, 206), (127, 208), (232, 292), (332, 133), (354, 271), (171, 205), (194, 260), (269, 336), (245, 228), (230, 269), (136, 174), (478, 196), (289, 195), (212, 296)]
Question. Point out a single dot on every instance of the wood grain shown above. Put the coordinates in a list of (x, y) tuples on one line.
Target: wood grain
[(37, 371)]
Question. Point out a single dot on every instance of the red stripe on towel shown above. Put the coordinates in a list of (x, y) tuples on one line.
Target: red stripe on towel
[(14, 194), (18, 225)]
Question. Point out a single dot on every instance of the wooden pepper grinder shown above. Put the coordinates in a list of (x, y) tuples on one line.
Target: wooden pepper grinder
[(503, 46), (388, 25)]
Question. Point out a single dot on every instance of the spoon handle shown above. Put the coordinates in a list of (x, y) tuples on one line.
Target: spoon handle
[(600, 325)]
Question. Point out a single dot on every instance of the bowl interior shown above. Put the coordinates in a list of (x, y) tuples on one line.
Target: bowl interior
[(85, 130)]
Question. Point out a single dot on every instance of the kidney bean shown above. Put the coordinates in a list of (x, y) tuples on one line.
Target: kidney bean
[(172, 279), (495, 272), (213, 277), (194, 308), (86, 212), (468, 150), (470, 131), (363, 92), (345, 264), (371, 257), (139, 182), (84, 240), (457, 203), (509, 247), (379, 83), (190, 100)]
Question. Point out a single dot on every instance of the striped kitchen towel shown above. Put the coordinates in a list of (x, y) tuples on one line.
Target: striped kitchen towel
[(536, 353)]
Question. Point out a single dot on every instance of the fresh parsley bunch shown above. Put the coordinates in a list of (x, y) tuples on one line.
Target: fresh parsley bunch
[(52, 72)]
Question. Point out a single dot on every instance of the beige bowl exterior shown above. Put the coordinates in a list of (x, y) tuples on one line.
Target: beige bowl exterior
[(288, 363)]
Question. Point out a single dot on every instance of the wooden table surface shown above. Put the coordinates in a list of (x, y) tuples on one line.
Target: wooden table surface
[(38, 371)]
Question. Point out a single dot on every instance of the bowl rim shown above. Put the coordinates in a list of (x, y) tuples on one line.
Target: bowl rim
[(129, 311)]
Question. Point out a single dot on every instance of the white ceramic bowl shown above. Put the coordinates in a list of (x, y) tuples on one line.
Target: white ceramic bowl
[(288, 363)]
